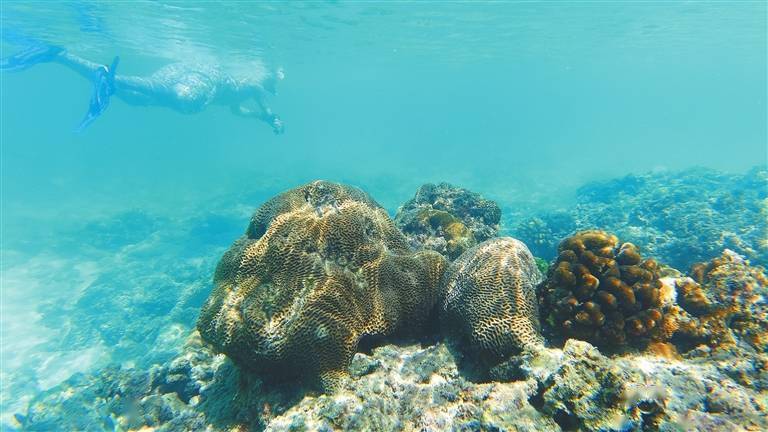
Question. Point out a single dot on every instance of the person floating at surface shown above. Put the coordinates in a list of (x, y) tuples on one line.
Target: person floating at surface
[(182, 87)]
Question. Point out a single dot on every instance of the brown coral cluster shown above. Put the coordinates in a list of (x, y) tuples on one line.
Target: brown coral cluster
[(724, 301), (319, 267), (490, 295), (604, 292)]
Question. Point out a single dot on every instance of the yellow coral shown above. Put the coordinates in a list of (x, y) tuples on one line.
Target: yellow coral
[(457, 235)]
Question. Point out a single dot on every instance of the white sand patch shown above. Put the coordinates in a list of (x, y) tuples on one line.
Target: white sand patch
[(27, 361)]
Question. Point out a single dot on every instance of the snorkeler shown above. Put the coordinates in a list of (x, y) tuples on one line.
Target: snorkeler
[(181, 87)]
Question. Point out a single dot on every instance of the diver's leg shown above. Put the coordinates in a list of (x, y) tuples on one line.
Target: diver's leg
[(54, 54), (30, 57), (135, 90), (85, 68)]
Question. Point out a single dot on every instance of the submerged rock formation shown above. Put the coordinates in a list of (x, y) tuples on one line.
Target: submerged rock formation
[(319, 267), (322, 265), (448, 219)]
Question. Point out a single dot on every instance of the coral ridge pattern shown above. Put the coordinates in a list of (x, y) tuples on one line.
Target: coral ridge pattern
[(490, 293), (329, 268)]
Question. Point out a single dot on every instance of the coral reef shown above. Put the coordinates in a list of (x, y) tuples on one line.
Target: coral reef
[(678, 217), (329, 268), (489, 294), (543, 231), (448, 219), (316, 251), (723, 304), (603, 292)]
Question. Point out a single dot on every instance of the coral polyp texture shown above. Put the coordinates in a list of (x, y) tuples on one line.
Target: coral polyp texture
[(319, 267), (724, 303), (448, 219), (321, 195), (490, 295), (604, 292)]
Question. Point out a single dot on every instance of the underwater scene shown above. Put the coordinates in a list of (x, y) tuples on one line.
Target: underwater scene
[(383, 216)]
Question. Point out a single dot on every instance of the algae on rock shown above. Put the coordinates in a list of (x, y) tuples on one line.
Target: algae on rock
[(448, 219)]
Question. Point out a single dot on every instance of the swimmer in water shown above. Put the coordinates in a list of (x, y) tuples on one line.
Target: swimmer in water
[(181, 87)]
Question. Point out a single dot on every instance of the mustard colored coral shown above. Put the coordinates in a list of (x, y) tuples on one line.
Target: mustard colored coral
[(604, 292), (329, 268)]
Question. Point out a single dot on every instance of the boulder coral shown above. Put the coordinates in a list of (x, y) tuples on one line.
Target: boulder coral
[(489, 294), (319, 267), (604, 292), (448, 219)]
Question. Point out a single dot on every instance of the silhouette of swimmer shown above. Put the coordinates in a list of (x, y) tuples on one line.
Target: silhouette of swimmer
[(182, 87)]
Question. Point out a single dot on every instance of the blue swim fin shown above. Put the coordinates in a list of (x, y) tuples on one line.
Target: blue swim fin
[(29, 57), (103, 89)]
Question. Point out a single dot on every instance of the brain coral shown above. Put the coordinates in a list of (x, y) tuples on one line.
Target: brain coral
[(320, 266), (603, 292), (448, 219), (490, 294)]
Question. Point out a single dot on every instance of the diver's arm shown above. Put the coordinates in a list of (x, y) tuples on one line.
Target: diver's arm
[(264, 114), (243, 111)]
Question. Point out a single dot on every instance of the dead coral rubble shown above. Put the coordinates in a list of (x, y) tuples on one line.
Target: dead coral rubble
[(410, 388)]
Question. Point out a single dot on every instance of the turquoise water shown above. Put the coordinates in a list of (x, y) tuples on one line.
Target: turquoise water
[(522, 102)]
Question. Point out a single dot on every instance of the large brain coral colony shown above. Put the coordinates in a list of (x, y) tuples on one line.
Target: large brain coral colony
[(603, 292), (319, 267), (490, 294)]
